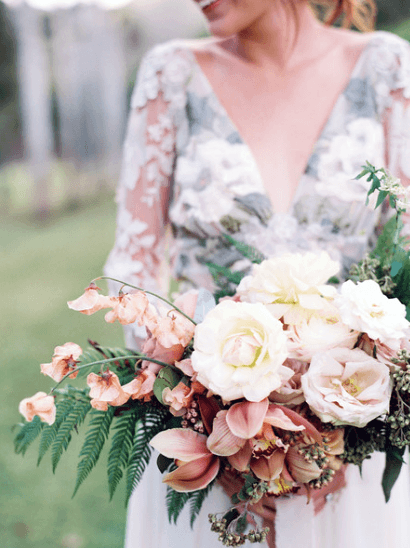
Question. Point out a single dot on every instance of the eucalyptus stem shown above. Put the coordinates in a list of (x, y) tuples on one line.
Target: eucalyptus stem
[(108, 360), (149, 293)]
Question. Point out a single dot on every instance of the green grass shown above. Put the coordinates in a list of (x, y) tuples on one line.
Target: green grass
[(41, 267)]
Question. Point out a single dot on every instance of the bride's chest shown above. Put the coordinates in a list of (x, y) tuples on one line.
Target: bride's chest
[(220, 182)]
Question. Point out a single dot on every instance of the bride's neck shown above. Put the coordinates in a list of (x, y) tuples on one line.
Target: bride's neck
[(282, 37)]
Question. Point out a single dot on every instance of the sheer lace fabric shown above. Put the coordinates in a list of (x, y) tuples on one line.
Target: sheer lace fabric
[(186, 166)]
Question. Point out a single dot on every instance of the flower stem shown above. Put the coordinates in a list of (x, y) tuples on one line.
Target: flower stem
[(108, 360), (149, 293)]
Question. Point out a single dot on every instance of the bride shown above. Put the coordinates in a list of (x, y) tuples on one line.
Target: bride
[(258, 132)]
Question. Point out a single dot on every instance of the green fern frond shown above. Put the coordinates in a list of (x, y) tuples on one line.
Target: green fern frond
[(73, 419), (49, 434), (246, 251), (147, 428), (99, 427), (196, 501), (219, 272), (27, 434), (121, 445), (123, 368), (175, 503)]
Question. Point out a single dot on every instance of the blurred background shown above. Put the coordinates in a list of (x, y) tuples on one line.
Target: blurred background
[(67, 70)]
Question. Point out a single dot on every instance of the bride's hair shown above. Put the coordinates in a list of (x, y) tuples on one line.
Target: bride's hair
[(360, 14)]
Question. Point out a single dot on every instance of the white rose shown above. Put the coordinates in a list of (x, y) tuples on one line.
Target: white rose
[(239, 351), (364, 307), (319, 334), (345, 386), (293, 285)]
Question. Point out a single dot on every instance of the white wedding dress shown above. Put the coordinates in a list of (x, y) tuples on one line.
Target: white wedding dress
[(187, 167)]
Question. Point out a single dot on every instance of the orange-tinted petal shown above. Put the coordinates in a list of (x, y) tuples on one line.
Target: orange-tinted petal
[(240, 460), (180, 443), (270, 468), (299, 421), (221, 440), (194, 475), (245, 419), (301, 470)]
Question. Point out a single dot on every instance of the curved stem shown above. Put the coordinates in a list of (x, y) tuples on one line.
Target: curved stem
[(149, 293), (109, 360)]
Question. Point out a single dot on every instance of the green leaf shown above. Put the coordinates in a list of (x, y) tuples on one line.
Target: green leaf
[(163, 463), (392, 469), (395, 268), (123, 368), (381, 197), (246, 250), (205, 302), (168, 377), (196, 501), (72, 419), (27, 434), (120, 451), (147, 428), (175, 503), (99, 427)]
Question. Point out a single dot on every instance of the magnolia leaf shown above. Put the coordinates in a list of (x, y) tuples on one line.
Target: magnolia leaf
[(205, 303), (381, 197), (394, 461), (395, 268), (166, 378)]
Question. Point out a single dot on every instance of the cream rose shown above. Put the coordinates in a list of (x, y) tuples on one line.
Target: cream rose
[(239, 351), (364, 307), (319, 334), (345, 386), (292, 285)]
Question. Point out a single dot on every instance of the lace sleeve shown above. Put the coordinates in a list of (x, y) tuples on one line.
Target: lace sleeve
[(145, 183), (397, 119)]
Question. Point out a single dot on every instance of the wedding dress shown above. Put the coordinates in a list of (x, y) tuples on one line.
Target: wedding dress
[(186, 166)]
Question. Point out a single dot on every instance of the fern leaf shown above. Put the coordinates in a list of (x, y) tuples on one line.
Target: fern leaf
[(196, 501), (63, 407), (122, 367), (246, 250), (27, 434), (99, 427), (175, 503), (121, 446), (74, 418), (147, 428)]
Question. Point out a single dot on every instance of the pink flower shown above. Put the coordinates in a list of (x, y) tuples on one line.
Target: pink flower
[(247, 434), (64, 360), (180, 397), (197, 466), (130, 307), (291, 393), (153, 349), (39, 405), (142, 386), (106, 390), (90, 301)]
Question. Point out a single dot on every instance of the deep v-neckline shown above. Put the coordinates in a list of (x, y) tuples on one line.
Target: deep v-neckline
[(207, 86)]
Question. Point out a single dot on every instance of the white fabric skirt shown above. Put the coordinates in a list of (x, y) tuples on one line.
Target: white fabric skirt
[(356, 517)]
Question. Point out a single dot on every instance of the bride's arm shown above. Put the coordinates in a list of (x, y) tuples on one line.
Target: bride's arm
[(144, 189)]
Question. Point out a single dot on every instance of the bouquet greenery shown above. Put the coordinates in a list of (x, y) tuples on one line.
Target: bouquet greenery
[(287, 378)]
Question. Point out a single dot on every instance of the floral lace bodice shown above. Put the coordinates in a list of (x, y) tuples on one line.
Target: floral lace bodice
[(186, 166)]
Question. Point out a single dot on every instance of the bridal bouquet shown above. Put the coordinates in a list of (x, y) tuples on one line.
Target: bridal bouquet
[(284, 380)]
